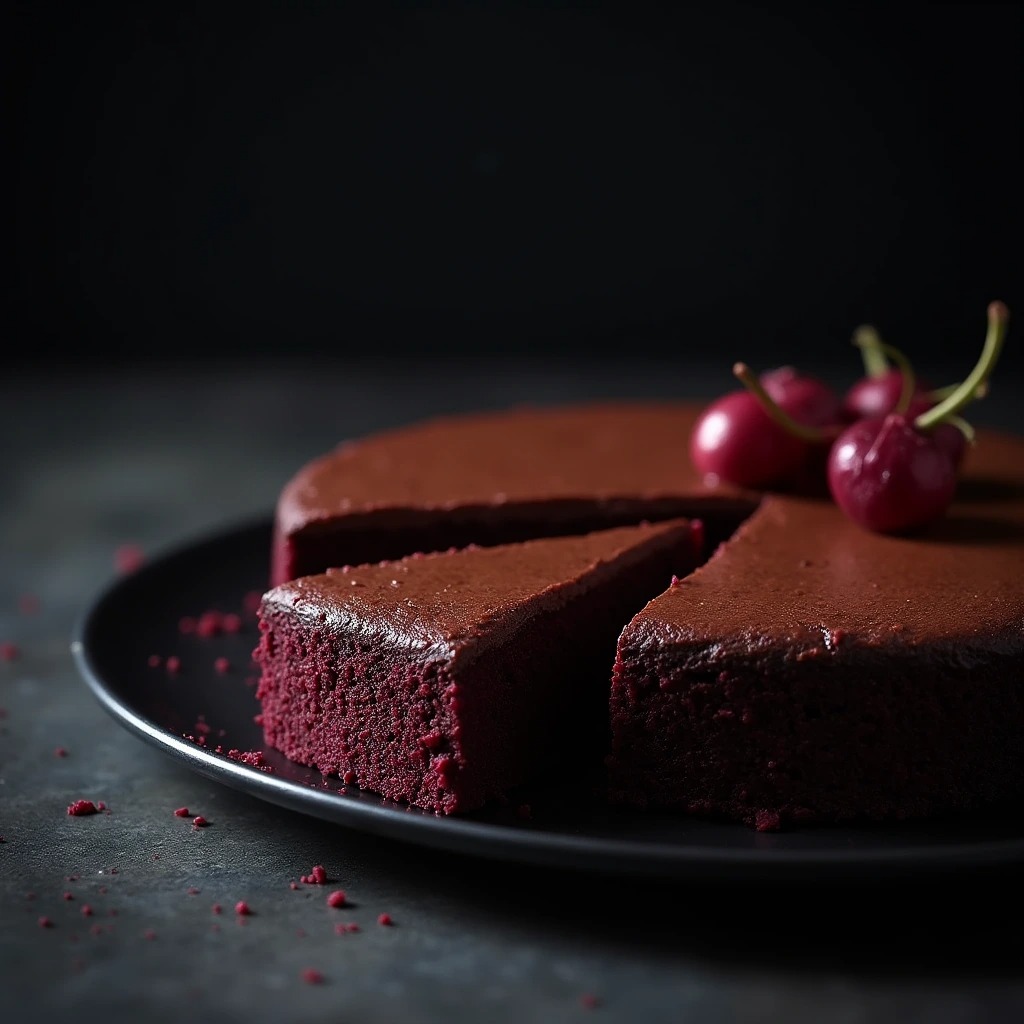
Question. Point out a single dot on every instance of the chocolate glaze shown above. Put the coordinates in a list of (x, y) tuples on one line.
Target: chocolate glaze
[(495, 478), (802, 574), (448, 603)]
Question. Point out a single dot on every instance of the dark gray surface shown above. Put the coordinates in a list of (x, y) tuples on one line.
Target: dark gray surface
[(97, 461)]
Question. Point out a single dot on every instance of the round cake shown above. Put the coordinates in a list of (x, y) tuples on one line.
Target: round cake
[(807, 670)]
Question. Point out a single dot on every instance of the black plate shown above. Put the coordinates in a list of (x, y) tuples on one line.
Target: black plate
[(139, 616)]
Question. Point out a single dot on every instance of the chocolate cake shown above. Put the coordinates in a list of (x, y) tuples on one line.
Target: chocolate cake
[(810, 670), (444, 680)]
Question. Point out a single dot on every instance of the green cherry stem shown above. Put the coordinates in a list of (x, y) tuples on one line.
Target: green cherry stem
[(909, 381), (938, 394), (868, 340), (998, 320), (750, 381)]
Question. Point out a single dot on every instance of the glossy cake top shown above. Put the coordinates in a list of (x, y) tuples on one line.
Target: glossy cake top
[(799, 571), (592, 452), (449, 599)]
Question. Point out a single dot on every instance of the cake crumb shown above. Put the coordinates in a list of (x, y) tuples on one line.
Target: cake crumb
[(242, 908), (9, 651), (318, 876), (311, 976), (199, 821), (589, 1001), (385, 919), (253, 758), (45, 922), (80, 808), (767, 821), (129, 558), (181, 812), (60, 752), (173, 665), (210, 623), (336, 898), (222, 666), (86, 910), (154, 661)]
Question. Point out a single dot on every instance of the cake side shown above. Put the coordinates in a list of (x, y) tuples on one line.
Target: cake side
[(779, 733), (443, 680), (812, 670)]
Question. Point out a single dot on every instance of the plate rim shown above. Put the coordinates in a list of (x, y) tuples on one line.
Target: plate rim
[(491, 840)]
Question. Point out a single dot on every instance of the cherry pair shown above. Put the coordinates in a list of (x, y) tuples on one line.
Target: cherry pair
[(892, 448)]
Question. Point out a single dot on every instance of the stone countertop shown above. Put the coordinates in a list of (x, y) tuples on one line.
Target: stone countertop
[(156, 456)]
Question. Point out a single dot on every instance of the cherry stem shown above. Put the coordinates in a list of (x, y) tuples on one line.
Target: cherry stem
[(998, 319), (868, 340), (770, 406), (981, 391), (909, 382)]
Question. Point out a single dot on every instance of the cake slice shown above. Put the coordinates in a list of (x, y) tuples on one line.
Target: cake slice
[(444, 680)]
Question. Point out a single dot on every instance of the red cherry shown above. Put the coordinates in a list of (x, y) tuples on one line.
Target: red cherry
[(808, 400), (898, 472), (889, 476), (764, 435), (878, 395), (736, 441)]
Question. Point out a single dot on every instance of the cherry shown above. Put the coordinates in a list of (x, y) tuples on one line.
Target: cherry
[(741, 439), (735, 441), (808, 400), (889, 476), (879, 390), (910, 399), (876, 396), (895, 473)]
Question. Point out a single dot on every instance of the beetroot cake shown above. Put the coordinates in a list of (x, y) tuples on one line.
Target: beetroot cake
[(813, 670), (810, 671), (444, 680)]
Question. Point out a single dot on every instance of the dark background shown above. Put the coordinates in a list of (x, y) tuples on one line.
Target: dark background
[(372, 181)]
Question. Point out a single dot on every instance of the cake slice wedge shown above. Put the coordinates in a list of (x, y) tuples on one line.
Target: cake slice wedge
[(445, 680)]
